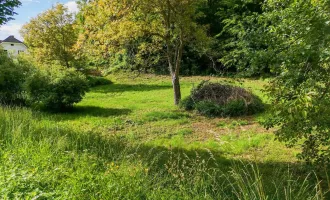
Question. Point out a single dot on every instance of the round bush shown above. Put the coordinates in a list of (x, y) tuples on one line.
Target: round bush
[(214, 99), (56, 89), (12, 78)]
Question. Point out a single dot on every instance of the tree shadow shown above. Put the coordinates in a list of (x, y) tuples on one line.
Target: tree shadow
[(95, 111), (92, 111), (158, 158), (115, 148), (119, 88)]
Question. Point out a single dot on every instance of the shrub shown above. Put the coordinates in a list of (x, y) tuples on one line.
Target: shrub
[(12, 77), (56, 89), (187, 103), (97, 81), (214, 99)]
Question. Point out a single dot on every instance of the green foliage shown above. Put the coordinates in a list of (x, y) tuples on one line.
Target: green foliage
[(222, 100), (98, 81), (187, 103), (56, 88), (171, 25), (291, 40), (51, 38), (240, 43), (297, 34), (7, 10), (12, 78)]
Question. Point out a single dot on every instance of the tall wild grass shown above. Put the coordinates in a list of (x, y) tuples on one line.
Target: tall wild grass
[(43, 160)]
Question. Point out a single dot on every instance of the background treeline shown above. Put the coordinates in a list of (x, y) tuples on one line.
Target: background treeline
[(218, 16)]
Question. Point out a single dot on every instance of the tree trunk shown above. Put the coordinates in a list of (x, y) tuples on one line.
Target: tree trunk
[(176, 89)]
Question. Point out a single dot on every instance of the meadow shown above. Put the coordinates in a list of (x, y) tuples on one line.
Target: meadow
[(127, 140)]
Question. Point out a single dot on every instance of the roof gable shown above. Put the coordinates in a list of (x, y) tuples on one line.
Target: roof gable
[(11, 39)]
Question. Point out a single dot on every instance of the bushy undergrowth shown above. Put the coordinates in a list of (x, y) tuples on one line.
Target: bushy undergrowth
[(12, 78), (49, 87), (214, 99), (56, 88), (45, 160), (97, 81)]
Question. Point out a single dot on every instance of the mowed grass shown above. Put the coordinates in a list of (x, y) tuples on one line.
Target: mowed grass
[(128, 141)]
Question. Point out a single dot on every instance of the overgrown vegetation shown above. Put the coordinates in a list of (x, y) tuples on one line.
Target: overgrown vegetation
[(57, 162), (125, 140), (56, 88), (94, 81), (52, 87), (215, 99), (12, 78), (292, 39)]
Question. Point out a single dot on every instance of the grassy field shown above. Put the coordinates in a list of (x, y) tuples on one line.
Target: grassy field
[(128, 141), (141, 109)]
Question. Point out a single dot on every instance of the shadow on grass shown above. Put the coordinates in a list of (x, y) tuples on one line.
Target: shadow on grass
[(157, 158), (99, 112), (118, 148), (119, 88), (92, 111)]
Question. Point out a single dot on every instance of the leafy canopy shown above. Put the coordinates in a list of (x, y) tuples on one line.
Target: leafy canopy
[(51, 36), (7, 10), (110, 26), (297, 50)]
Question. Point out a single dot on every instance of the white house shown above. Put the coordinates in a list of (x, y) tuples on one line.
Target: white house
[(13, 46)]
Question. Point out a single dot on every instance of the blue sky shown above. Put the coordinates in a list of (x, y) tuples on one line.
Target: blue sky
[(28, 10)]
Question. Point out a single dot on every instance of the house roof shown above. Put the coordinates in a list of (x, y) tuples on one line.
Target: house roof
[(11, 39)]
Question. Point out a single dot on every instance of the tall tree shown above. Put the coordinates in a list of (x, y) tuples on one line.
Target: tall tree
[(167, 24), (51, 36), (293, 39), (7, 10)]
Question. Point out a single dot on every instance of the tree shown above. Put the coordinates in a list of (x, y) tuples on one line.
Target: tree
[(297, 34), (240, 37), (51, 36), (168, 26), (7, 10)]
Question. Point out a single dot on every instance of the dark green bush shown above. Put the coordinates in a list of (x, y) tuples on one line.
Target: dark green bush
[(97, 81), (56, 89), (12, 78), (213, 99), (208, 108), (187, 103)]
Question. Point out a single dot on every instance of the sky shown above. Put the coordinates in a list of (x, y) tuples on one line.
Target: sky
[(28, 10)]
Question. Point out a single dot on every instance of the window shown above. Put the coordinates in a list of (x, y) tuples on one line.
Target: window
[(12, 45)]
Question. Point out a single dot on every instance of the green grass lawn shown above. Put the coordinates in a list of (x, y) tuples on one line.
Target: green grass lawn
[(141, 109), (128, 141)]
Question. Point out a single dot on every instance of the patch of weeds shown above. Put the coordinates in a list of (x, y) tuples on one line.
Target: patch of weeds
[(239, 144), (237, 123), (221, 124), (131, 136), (184, 132), (183, 121), (157, 116)]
